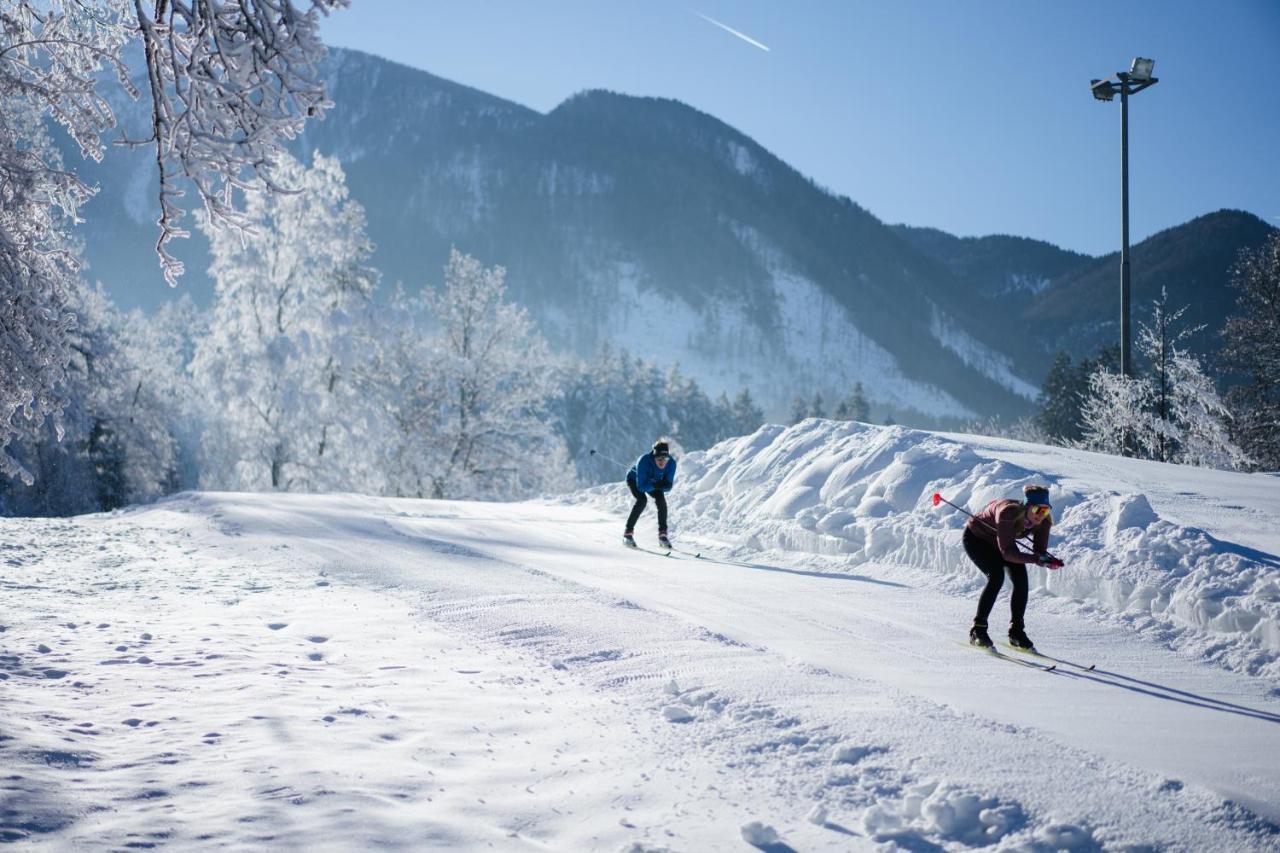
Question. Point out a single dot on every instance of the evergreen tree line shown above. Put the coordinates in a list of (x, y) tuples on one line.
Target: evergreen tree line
[(297, 379), (1172, 409), (854, 407)]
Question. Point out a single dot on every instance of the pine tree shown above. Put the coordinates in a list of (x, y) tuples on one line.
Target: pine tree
[(855, 407), (1058, 404), (1158, 342), (747, 416), (799, 409)]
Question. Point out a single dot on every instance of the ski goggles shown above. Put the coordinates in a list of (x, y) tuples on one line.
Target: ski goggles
[(1039, 511)]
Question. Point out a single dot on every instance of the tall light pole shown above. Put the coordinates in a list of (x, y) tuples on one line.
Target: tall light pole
[(1125, 83)]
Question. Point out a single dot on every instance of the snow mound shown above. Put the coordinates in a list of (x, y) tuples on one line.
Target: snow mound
[(677, 714), (933, 812), (759, 834), (863, 494)]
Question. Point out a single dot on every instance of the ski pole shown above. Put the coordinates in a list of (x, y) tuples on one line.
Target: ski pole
[(595, 452), (938, 498)]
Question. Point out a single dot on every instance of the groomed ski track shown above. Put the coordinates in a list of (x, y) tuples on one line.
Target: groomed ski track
[(1147, 747)]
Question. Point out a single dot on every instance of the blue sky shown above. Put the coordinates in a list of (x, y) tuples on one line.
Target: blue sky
[(974, 117)]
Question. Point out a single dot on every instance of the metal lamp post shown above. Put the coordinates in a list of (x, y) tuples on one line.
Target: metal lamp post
[(1125, 83)]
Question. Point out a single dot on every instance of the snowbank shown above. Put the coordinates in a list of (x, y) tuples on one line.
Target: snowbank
[(862, 494)]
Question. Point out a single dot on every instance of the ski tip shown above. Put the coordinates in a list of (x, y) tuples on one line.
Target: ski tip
[(1052, 668), (1091, 666)]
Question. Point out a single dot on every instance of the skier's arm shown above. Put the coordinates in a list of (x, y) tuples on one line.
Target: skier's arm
[(669, 475), (1040, 541), (1007, 540)]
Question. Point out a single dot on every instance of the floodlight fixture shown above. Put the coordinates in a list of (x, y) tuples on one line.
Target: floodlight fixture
[(1140, 71), (1103, 90)]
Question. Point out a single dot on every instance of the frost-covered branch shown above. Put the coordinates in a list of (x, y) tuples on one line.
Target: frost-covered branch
[(229, 81)]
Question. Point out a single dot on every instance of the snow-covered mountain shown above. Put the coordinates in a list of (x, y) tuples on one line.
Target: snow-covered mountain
[(649, 224), (345, 672)]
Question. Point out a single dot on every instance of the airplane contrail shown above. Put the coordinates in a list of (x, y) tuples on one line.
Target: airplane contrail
[(728, 29)]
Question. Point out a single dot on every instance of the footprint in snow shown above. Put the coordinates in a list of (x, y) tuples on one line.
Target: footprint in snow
[(318, 639), (276, 626)]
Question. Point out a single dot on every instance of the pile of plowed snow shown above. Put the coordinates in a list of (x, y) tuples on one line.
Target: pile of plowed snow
[(859, 494)]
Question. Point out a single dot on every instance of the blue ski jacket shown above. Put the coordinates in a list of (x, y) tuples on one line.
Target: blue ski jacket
[(649, 477)]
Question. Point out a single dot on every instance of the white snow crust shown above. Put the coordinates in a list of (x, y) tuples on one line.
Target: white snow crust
[(342, 672)]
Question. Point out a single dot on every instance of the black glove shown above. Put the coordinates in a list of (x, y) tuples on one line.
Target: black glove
[(1048, 561)]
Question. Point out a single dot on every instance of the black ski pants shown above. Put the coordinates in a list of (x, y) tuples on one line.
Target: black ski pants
[(991, 562), (659, 499)]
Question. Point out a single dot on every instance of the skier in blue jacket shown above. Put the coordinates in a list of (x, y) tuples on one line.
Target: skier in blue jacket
[(653, 474)]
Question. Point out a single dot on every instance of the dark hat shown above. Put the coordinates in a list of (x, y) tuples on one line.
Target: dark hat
[(660, 448), (1036, 495)]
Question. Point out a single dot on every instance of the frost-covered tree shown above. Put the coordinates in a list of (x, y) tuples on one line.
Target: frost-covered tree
[(37, 274), (477, 420), (227, 81), (1116, 415), (160, 347), (276, 368), (1252, 352), (118, 443), (619, 405), (1199, 418), (1159, 342), (1172, 413), (597, 411), (1062, 395)]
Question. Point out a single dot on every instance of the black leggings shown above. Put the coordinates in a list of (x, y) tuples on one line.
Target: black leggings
[(659, 498), (992, 564)]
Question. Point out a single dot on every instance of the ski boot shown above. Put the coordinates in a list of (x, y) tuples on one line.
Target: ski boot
[(1019, 640), (663, 541), (629, 539), (978, 637)]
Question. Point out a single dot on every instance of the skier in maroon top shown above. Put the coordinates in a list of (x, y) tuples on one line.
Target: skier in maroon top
[(991, 541)]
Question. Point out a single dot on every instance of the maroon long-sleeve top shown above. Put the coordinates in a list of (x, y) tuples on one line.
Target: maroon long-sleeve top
[(1004, 522)]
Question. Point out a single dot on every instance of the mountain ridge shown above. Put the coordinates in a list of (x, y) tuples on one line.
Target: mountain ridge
[(613, 209)]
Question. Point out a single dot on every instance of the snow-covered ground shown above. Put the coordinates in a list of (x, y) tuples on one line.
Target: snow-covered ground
[(344, 672)]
